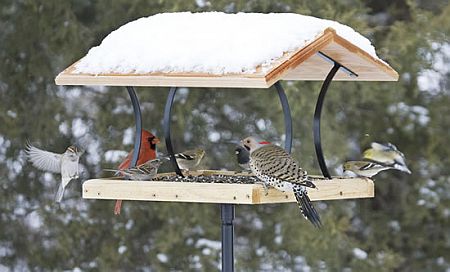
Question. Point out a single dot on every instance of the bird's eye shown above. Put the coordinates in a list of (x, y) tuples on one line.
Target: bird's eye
[(237, 152), (248, 141)]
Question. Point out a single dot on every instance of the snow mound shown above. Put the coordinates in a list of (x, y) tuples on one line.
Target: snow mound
[(209, 42)]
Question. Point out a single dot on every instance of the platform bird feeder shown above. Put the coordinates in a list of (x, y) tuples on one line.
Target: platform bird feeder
[(200, 50)]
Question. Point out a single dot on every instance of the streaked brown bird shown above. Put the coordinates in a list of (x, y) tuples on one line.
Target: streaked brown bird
[(276, 168)]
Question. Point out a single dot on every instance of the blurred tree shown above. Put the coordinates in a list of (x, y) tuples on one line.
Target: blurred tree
[(404, 228)]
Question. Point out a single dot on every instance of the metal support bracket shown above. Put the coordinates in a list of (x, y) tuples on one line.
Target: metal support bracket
[(318, 110), (138, 120), (227, 210), (287, 117), (166, 126)]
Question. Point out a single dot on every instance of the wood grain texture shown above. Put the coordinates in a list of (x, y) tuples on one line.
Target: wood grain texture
[(337, 188), (367, 67), (302, 64)]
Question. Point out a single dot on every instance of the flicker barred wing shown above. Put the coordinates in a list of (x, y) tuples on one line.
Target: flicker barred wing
[(274, 161)]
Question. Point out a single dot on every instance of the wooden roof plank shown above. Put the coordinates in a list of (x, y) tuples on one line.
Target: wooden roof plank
[(303, 64)]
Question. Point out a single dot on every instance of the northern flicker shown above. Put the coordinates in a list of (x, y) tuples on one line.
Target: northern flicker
[(276, 168)]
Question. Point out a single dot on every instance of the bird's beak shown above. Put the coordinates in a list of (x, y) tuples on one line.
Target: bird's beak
[(156, 141), (245, 146)]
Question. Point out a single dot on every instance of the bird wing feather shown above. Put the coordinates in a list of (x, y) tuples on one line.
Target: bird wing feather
[(380, 147), (184, 156), (44, 160), (278, 164)]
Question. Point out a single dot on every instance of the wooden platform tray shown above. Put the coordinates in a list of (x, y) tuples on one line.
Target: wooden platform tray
[(302, 64), (336, 188)]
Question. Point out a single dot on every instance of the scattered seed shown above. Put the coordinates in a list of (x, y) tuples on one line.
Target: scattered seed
[(211, 179)]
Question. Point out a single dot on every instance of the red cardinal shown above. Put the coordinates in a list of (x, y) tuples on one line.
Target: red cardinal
[(146, 152)]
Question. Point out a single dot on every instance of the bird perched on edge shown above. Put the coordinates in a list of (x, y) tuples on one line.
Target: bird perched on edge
[(276, 168), (243, 157), (364, 168), (388, 155), (65, 164), (147, 152), (189, 159), (145, 171)]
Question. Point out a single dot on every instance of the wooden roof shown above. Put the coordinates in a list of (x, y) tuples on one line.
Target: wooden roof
[(303, 64)]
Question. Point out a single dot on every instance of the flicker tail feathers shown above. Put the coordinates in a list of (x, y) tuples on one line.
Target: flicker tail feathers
[(309, 183), (306, 207)]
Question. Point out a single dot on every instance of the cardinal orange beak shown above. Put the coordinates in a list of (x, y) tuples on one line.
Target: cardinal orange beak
[(156, 141)]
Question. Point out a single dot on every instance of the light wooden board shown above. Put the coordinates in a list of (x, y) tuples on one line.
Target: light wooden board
[(302, 64), (69, 77), (337, 188), (367, 68)]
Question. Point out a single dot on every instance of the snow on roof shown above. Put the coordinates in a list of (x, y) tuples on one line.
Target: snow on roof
[(209, 42)]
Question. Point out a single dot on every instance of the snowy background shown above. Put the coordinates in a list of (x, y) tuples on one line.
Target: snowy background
[(404, 228)]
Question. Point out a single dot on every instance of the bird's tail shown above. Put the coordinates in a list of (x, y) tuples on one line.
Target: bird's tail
[(117, 207), (306, 207), (59, 193)]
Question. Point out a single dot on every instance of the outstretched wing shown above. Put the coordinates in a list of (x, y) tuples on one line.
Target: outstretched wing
[(44, 160)]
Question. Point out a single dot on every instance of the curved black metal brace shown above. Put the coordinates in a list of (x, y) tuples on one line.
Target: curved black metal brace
[(287, 117), (318, 110), (316, 122), (227, 210), (166, 126), (138, 119)]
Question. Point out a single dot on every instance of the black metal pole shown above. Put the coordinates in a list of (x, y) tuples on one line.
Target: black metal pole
[(138, 120), (227, 215), (316, 122), (287, 117), (166, 126)]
